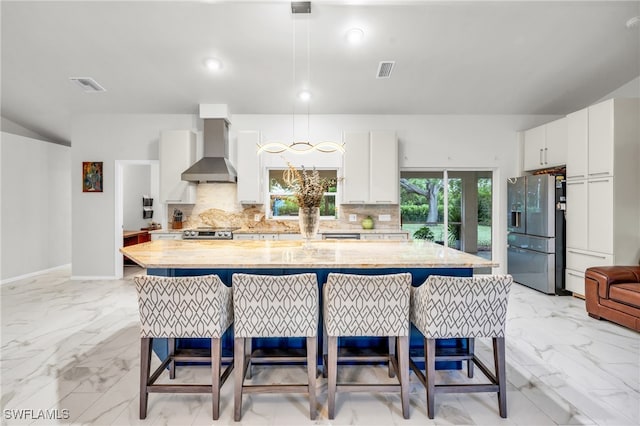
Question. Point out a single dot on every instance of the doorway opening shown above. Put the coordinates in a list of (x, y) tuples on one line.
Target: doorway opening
[(134, 179)]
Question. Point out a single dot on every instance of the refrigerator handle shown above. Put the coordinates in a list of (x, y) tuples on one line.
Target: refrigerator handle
[(515, 219)]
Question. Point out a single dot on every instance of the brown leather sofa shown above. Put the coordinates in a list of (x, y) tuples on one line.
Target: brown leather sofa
[(613, 293)]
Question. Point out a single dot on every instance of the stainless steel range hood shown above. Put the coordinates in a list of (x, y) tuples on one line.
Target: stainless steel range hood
[(215, 165)]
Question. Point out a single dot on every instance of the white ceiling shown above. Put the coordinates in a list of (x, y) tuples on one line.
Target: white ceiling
[(451, 57)]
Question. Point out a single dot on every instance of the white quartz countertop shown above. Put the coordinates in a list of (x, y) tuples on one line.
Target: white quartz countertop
[(298, 254)]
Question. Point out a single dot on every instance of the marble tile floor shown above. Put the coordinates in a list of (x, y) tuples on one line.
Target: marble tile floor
[(72, 346)]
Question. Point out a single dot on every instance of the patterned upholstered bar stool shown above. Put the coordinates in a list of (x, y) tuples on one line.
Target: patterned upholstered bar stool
[(455, 307), (183, 307), (275, 306), (368, 305)]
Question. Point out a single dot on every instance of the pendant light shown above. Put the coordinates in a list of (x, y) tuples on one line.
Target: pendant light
[(301, 147)]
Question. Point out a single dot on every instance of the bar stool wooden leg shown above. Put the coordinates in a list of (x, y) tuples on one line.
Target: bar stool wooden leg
[(312, 373), (324, 352), (500, 366), (238, 365), (216, 353), (332, 366), (430, 372), (471, 349), (248, 348), (145, 369), (171, 343), (392, 354), (403, 365)]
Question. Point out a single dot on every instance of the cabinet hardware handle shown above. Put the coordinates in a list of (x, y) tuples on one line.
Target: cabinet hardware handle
[(356, 201), (384, 201), (540, 155), (574, 275), (546, 159), (599, 180), (575, 183), (575, 176), (587, 254), (599, 173)]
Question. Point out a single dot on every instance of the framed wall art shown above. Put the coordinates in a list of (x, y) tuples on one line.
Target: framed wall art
[(92, 176)]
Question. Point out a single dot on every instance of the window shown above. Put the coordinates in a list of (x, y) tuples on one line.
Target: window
[(282, 204)]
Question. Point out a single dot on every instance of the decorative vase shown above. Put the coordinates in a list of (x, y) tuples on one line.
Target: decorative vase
[(309, 221)]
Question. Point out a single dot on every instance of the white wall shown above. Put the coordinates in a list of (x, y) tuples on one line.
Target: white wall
[(426, 141), (36, 205), (628, 90), (108, 137), (136, 184)]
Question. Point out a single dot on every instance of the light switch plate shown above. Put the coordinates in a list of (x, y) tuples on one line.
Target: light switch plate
[(353, 217), (384, 217), (256, 217)]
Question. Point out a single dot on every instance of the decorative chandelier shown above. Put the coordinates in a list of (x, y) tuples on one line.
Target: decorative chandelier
[(301, 147)]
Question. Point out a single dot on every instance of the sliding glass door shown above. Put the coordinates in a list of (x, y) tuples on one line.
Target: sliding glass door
[(452, 208)]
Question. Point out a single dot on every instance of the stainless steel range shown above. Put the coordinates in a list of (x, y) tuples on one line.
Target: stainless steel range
[(205, 233)]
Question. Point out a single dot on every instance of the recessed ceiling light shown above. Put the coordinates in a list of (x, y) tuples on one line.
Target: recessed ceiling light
[(633, 22), (355, 35), (213, 64), (305, 95)]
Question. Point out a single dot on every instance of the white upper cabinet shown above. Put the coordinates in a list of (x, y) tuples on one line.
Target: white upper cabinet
[(355, 170), (555, 150), (578, 142), (534, 144), (384, 172), (546, 146), (177, 152), (370, 168), (249, 168), (601, 129)]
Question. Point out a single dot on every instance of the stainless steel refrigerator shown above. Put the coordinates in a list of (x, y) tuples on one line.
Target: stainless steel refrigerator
[(536, 232)]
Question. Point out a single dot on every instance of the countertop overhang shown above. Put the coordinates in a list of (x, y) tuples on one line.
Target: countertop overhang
[(180, 254)]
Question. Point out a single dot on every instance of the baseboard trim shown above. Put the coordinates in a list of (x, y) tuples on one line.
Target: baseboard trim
[(92, 278), (33, 274)]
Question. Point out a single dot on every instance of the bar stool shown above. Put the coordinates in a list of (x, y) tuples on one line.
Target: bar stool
[(368, 305), (456, 307), (274, 306), (185, 307)]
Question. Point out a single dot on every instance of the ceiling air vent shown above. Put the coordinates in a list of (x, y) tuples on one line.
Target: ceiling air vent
[(88, 84), (385, 68)]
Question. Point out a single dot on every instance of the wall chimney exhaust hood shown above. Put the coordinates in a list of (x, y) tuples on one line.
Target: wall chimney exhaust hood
[(215, 165)]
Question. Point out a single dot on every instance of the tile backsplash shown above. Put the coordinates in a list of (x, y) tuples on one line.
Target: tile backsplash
[(217, 206)]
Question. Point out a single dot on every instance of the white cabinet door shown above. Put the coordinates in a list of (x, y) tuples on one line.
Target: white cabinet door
[(600, 206), (555, 151), (577, 215), (177, 152), (355, 182), (166, 236), (574, 282), (246, 237), (534, 144), (577, 144), (384, 178), (270, 237), (249, 168), (601, 139)]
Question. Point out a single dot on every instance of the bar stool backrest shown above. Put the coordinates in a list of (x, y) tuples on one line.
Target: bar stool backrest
[(275, 305), (183, 306), (367, 305), (447, 307)]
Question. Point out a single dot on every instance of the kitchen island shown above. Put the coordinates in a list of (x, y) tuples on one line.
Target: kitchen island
[(225, 257)]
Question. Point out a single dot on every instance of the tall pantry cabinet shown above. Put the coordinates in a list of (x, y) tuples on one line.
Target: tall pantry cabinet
[(603, 188)]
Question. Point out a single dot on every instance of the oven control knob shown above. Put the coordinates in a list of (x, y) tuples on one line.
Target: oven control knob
[(193, 233)]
